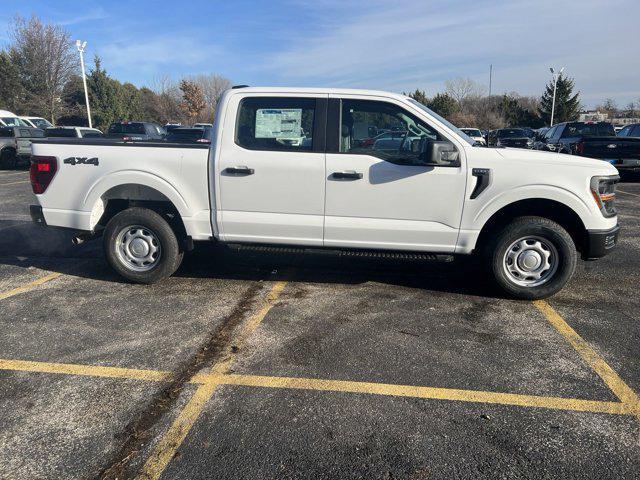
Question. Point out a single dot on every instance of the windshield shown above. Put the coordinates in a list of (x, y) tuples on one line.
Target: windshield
[(589, 130), (472, 132), (14, 122), (187, 135), (511, 133), (127, 128), (446, 122), (61, 132), (41, 123)]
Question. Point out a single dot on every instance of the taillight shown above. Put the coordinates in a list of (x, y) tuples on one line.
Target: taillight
[(42, 172)]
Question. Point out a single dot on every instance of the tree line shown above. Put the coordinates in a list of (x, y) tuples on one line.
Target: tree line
[(39, 77)]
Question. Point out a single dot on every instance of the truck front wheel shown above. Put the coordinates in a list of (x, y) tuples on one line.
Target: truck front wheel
[(141, 246), (531, 258)]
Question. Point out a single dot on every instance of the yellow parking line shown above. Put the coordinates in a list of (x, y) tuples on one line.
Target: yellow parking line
[(475, 396), (627, 193), (621, 390), (173, 438), (85, 370), (29, 286), (13, 183), (214, 379)]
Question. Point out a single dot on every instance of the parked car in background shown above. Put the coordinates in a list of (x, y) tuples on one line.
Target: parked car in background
[(474, 134), (189, 135), (10, 119), (170, 126), (15, 145), (594, 140), (136, 131), (510, 137), (632, 130), (37, 122), (73, 132)]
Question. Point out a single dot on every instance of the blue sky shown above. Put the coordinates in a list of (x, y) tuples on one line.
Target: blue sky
[(397, 46)]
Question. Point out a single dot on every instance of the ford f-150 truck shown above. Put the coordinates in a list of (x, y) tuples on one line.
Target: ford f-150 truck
[(285, 168)]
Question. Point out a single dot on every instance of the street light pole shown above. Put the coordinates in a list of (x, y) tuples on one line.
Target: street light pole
[(81, 46), (555, 84)]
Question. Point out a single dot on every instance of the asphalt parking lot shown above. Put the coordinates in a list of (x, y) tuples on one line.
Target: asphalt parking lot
[(260, 365)]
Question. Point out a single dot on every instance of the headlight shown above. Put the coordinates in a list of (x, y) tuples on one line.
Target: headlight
[(603, 190)]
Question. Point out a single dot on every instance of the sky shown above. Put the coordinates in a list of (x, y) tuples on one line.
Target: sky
[(387, 45)]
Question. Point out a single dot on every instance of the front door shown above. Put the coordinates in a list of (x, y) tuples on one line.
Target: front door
[(272, 170), (380, 192)]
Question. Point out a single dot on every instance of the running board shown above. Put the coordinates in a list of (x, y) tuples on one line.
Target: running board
[(348, 253)]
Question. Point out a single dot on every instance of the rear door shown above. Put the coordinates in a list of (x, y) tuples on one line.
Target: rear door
[(271, 169), (379, 192)]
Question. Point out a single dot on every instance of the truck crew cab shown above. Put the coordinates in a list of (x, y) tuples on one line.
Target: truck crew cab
[(287, 167)]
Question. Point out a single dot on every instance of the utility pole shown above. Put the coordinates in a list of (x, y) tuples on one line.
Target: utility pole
[(555, 84), (490, 77), (81, 46)]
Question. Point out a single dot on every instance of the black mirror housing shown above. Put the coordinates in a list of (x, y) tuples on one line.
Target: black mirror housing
[(440, 153)]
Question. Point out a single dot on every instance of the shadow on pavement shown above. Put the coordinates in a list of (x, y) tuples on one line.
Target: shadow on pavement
[(25, 244)]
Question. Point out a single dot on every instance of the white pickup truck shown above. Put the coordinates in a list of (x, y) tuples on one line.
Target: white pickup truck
[(286, 167)]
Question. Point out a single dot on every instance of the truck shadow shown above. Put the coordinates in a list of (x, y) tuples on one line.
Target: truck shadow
[(25, 244)]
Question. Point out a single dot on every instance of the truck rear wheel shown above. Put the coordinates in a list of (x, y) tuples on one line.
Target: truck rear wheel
[(141, 246), (531, 258)]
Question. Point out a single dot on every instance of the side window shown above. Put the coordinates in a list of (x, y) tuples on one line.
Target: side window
[(384, 130), (37, 133), (549, 134), (636, 131), (276, 123), (624, 132), (24, 132)]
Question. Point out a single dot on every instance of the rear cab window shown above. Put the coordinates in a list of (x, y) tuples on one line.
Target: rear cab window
[(6, 132), (136, 128), (578, 129), (276, 123), (61, 132)]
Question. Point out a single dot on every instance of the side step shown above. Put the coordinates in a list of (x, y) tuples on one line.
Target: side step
[(346, 253)]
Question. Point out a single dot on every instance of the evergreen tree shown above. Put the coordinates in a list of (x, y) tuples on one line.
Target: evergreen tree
[(567, 103), (11, 91), (105, 97), (444, 105), (419, 96)]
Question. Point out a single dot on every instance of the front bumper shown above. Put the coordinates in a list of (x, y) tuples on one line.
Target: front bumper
[(36, 215), (600, 242)]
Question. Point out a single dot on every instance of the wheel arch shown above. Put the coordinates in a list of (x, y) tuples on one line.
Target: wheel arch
[(554, 210)]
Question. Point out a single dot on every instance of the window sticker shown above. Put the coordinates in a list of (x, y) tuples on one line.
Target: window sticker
[(279, 123)]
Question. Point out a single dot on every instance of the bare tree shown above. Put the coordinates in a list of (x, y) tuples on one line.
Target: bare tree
[(45, 60), (464, 88)]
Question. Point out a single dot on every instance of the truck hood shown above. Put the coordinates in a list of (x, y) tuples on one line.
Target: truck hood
[(536, 157)]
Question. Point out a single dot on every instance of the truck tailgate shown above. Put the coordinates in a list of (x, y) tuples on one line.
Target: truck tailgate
[(613, 149)]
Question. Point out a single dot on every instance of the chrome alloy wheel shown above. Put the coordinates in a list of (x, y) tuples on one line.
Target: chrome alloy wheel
[(530, 261), (138, 248)]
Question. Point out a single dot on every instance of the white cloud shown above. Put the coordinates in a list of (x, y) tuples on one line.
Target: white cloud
[(401, 46)]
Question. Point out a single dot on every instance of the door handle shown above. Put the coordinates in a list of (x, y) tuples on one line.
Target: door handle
[(239, 171), (347, 175)]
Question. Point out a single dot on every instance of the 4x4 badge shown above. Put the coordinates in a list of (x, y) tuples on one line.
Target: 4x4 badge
[(81, 161)]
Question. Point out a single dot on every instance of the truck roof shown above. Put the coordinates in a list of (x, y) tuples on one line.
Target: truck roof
[(318, 90)]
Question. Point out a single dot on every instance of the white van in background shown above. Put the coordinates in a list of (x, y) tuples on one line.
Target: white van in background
[(37, 122), (10, 119)]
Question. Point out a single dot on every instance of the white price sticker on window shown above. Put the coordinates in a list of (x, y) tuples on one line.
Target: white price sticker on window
[(279, 123)]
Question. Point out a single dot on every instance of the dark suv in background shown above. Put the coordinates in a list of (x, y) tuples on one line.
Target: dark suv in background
[(510, 137), (593, 140), (189, 135), (136, 131)]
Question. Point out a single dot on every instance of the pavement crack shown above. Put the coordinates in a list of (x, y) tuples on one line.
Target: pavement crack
[(138, 433)]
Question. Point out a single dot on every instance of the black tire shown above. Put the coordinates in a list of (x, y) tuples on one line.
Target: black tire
[(8, 159), (155, 227), (552, 236)]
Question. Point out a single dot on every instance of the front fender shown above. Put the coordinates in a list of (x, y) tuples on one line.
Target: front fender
[(544, 192)]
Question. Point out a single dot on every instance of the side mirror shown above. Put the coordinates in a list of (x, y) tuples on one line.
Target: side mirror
[(440, 153)]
